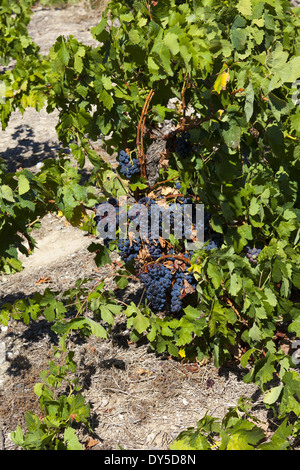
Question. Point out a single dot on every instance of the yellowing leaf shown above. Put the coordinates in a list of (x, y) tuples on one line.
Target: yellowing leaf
[(180, 444), (245, 7), (181, 353), (221, 82), (195, 268)]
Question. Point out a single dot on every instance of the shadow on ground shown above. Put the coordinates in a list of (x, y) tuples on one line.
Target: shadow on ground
[(27, 152)]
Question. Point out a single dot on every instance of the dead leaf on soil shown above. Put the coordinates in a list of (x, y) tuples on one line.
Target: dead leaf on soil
[(193, 368), (141, 371), (92, 442), (203, 362), (43, 279)]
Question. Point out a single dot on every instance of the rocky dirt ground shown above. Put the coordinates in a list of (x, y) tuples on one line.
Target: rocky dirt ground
[(138, 400)]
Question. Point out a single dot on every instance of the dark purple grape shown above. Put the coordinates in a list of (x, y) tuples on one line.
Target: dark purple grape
[(157, 279), (183, 145), (252, 254), (110, 220), (128, 166), (177, 292), (128, 250), (164, 290), (210, 383)]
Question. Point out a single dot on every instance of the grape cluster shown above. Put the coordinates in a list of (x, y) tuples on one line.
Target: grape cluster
[(183, 145), (176, 303), (153, 246), (166, 283), (183, 201), (157, 280), (211, 245), (154, 249), (214, 239), (128, 166), (110, 219), (252, 254), (111, 201), (166, 289), (129, 250)]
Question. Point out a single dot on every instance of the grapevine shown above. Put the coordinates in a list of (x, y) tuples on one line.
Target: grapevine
[(234, 66)]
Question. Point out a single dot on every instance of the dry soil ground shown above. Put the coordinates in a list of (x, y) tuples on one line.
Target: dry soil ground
[(138, 400)]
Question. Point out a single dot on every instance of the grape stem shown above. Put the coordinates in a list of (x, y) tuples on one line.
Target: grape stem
[(179, 257), (148, 8), (140, 133), (236, 311), (165, 181), (85, 301), (186, 128), (184, 88)]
